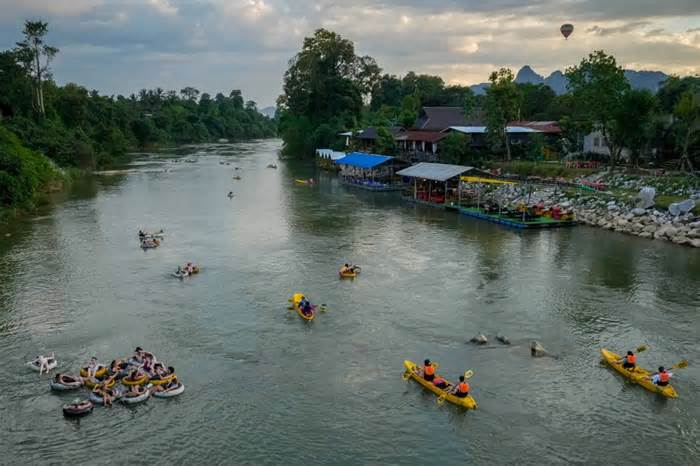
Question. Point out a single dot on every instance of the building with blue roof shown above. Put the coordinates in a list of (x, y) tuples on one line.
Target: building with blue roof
[(372, 172)]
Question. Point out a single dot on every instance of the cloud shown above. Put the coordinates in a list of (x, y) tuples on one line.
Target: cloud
[(622, 29), (120, 46)]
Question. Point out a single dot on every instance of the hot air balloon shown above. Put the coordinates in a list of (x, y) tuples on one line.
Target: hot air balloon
[(566, 30)]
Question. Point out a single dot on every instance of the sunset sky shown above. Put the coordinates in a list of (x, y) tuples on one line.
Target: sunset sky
[(121, 46)]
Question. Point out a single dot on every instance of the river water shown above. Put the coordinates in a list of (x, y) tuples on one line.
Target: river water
[(264, 387)]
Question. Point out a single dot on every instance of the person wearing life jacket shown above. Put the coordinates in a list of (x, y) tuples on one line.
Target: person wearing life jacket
[(629, 361), (662, 377), (439, 382), (428, 370), (462, 388)]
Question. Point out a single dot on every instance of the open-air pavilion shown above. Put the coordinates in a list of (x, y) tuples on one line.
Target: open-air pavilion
[(434, 183)]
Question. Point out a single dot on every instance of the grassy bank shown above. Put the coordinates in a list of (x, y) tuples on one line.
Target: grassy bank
[(541, 169), (27, 178)]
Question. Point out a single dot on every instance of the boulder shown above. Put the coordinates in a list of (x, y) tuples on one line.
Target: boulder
[(679, 239), (694, 225), (694, 233), (645, 234), (503, 339), (537, 350), (694, 243), (650, 228), (666, 230)]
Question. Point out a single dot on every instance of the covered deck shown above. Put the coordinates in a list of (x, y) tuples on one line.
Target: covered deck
[(370, 172), (435, 184)]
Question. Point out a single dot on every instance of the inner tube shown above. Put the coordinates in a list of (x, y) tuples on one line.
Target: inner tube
[(163, 380), (175, 391), (141, 381), (52, 364), (100, 372), (96, 399), (65, 385), (81, 408), (92, 382), (130, 400)]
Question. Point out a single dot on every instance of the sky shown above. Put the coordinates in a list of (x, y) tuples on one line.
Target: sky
[(121, 46)]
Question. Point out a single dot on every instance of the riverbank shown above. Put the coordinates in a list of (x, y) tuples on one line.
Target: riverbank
[(613, 200)]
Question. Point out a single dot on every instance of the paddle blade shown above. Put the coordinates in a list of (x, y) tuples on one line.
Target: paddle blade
[(406, 375), (290, 300), (441, 400), (642, 348), (469, 374), (682, 364)]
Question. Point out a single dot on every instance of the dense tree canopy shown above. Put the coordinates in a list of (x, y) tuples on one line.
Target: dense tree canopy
[(78, 127)]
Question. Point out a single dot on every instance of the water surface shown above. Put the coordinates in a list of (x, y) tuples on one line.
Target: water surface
[(264, 387)]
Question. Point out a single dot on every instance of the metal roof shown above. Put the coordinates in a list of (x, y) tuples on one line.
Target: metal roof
[(434, 171), (358, 159)]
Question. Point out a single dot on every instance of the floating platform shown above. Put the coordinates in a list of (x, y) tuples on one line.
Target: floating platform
[(540, 222), (375, 187)]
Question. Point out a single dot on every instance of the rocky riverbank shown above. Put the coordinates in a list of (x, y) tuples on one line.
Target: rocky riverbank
[(622, 207)]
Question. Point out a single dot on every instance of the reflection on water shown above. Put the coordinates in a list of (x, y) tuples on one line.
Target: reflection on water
[(262, 386)]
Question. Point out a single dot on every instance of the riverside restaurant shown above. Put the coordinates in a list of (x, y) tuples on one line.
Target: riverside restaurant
[(371, 172), (435, 184)]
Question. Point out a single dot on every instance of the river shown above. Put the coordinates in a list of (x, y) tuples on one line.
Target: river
[(264, 387)]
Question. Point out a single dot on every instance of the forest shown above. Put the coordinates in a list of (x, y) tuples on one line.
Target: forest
[(80, 128), (329, 89)]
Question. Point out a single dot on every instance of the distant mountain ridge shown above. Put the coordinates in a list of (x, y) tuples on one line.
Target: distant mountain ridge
[(650, 80), (268, 111)]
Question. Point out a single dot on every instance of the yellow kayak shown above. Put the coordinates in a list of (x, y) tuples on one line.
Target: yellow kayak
[(467, 402), (296, 299), (638, 375)]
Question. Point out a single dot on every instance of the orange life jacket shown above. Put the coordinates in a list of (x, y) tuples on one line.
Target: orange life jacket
[(664, 377), (463, 387), (631, 359), (429, 370)]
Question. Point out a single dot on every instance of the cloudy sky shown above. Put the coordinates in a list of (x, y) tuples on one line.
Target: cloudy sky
[(120, 46)]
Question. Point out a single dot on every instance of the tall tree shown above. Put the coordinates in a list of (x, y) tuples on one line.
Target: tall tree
[(325, 84), (36, 56), (598, 86), (632, 125), (503, 101), (456, 148), (687, 116)]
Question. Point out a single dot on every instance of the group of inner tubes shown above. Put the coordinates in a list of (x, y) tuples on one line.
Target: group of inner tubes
[(130, 380), (150, 240)]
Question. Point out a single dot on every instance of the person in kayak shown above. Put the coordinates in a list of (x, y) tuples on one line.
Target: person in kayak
[(462, 388), (629, 361), (306, 308), (661, 378), (439, 382), (428, 370), (345, 268)]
